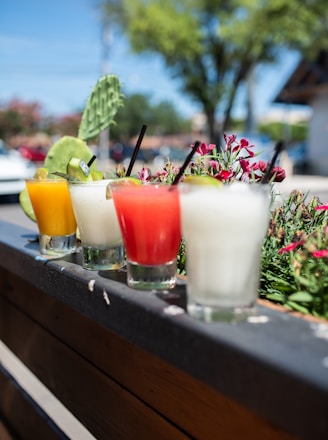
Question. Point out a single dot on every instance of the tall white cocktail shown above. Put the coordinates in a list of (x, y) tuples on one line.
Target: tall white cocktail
[(224, 228), (98, 225)]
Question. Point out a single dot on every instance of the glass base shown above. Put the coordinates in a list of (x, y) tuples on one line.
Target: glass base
[(57, 245), (220, 314), (103, 259), (159, 277)]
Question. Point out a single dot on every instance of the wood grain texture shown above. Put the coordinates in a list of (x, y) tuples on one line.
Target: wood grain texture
[(111, 385), (23, 416), (4, 433)]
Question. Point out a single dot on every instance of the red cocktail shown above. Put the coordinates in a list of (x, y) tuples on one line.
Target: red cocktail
[(149, 218)]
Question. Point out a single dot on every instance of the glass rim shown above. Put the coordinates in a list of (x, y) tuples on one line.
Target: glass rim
[(90, 182), (232, 188), (48, 179), (143, 185)]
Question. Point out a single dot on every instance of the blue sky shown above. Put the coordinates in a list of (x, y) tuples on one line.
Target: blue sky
[(50, 52)]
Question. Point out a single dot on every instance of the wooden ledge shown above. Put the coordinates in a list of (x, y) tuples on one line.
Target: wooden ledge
[(275, 366)]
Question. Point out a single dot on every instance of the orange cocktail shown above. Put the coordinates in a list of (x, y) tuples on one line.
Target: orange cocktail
[(149, 219), (52, 206)]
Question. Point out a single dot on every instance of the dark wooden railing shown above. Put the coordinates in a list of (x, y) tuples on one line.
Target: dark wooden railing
[(132, 365)]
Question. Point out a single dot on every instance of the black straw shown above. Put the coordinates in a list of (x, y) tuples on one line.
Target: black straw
[(186, 162), (136, 150), (278, 148), (91, 161)]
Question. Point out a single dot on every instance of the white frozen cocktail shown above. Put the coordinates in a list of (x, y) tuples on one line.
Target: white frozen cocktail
[(98, 225), (223, 228)]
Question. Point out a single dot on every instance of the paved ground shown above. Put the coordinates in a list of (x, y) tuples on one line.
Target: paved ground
[(316, 185), (13, 213)]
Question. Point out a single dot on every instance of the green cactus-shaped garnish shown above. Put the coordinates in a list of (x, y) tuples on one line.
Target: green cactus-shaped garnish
[(101, 107)]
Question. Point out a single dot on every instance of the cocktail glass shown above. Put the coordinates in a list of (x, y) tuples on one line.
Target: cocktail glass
[(53, 210), (149, 219), (224, 228), (102, 245)]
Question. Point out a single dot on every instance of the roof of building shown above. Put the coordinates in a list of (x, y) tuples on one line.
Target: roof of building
[(308, 79)]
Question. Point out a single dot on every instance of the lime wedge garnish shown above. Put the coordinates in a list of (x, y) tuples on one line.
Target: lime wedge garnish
[(202, 180)]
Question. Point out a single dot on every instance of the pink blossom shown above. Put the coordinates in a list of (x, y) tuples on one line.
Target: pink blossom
[(163, 173), (214, 165), (248, 169), (278, 173), (144, 174), (291, 247), (321, 208), (262, 166), (224, 175), (244, 144), (229, 140), (320, 254), (205, 149)]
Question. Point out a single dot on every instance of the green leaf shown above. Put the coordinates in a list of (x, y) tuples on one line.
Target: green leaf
[(301, 297), (296, 306), (275, 297), (283, 287), (305, 281)]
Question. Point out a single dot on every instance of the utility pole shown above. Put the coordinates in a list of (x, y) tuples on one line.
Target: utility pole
[(103, 147), (250, 85)]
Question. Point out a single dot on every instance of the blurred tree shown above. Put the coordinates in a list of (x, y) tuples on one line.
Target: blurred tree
[(160, 118), (166, 120), (129, 119), (18, 117), (68, 125), (296, 132), (213, 46)]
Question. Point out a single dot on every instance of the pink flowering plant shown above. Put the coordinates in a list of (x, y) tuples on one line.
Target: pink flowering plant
[(234, 162), (294, 269), (295, 256)]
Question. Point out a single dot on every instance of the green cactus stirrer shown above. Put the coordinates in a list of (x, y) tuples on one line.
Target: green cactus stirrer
[(101, 107)]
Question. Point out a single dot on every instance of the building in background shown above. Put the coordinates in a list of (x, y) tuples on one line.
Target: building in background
[(308, 86)]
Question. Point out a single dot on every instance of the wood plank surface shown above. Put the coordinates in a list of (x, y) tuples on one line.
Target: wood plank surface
[(23, 416), (104, 407), (4, 433), (110, 384)]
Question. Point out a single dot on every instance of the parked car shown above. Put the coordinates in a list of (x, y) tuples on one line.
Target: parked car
[(14, 169), (36, 154), (120, 152)]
